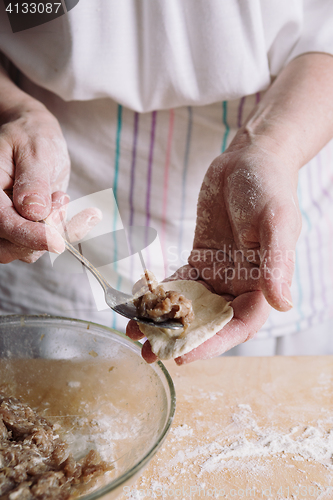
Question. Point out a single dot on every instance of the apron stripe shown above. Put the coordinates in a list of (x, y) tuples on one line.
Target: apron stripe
[(227, 128), (184, 177), (115, 188), (240, 112), (115, 182), (166, 184), (150, 165), (132, 181), (149, 175), (116, 163)]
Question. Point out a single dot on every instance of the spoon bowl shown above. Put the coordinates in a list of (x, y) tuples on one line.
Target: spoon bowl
[(120, 302)]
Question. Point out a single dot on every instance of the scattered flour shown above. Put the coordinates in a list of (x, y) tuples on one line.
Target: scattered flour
[(182, 431), (228, 450), (313, 443), (74, 383), (203, 453)]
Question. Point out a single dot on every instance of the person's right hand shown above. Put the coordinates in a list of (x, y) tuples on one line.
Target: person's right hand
[(248, 222), (34, 168)]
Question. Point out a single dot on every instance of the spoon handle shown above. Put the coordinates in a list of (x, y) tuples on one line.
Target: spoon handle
[(102, 281), (88, 265)]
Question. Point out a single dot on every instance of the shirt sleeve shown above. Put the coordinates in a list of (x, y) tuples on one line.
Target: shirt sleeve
[(317, 28), (307, 27)]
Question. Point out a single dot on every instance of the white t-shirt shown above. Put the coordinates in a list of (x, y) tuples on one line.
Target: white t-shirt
[(161, 54), (188, 66)]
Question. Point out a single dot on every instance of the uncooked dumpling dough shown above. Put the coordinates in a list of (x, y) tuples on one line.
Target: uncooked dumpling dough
[(211, 313)]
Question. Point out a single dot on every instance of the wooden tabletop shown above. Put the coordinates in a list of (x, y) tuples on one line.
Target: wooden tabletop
[(258, 428)]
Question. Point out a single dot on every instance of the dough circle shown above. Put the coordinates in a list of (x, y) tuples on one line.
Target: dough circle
[(212, 312)]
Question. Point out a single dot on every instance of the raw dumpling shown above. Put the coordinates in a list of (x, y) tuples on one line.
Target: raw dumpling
[(211, 313)]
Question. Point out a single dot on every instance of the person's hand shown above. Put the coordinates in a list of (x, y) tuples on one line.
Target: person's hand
[(248, 220), (34, 168), (248, 223)]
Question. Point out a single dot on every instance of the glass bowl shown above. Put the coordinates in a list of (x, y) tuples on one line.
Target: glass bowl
[(92, 381)]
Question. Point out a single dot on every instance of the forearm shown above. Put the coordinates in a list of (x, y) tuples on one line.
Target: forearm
[(13, 98), (295, 117)]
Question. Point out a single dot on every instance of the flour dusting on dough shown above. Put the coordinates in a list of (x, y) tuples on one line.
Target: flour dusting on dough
[(211, 313)]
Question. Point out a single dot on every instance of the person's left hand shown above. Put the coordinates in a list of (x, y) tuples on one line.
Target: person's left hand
[(78, 226), (248, 223)]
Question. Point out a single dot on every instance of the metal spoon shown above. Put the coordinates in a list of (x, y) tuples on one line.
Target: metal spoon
[(120, 302)]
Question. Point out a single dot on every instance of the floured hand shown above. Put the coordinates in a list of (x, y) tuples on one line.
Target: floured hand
[(210, 313), (248, 223), (34, 168), (247, 227), (248, 219)]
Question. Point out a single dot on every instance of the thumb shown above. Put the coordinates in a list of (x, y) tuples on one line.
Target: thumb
[(32, 188), (278, 238)]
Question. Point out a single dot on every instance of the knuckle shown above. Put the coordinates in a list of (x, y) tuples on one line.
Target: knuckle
[(5, 255), (31, 257), (6, 258), (250, 336), (18, 235)]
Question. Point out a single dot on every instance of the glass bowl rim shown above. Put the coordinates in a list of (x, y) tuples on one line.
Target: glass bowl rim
[(31, 318)]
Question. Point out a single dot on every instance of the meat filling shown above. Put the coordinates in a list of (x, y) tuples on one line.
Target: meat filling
[(160, 305), (35, 464)]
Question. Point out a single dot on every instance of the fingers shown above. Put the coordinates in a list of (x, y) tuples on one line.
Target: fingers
[(25, 240), (24, 233), (10, 252), (251, 310), (147, 353), (222, 273), (59, 200), (41, 165), (250, 313), (190, 273), (279, 235), (34, 163), (133, 331), (80, 225), (32, 188)]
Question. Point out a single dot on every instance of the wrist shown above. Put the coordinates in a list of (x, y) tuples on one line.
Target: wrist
[(14, 102), (17, 105), (294, 119), (264, 153)]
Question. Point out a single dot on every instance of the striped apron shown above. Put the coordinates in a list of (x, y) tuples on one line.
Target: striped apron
[(154, 163)]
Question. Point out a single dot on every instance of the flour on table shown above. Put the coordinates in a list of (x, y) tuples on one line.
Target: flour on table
[(211, 313)]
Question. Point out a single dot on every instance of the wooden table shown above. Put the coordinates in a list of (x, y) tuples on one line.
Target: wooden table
[(247, 428)]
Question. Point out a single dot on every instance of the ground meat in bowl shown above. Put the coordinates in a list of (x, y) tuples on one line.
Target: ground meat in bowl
[(35, 464)]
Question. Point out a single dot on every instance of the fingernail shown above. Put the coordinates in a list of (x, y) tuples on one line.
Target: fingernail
[(33, 199), (286, 294), (92, 222), (95, 219), (64, 199), (58, 248), (58, 252), (55, 241)]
